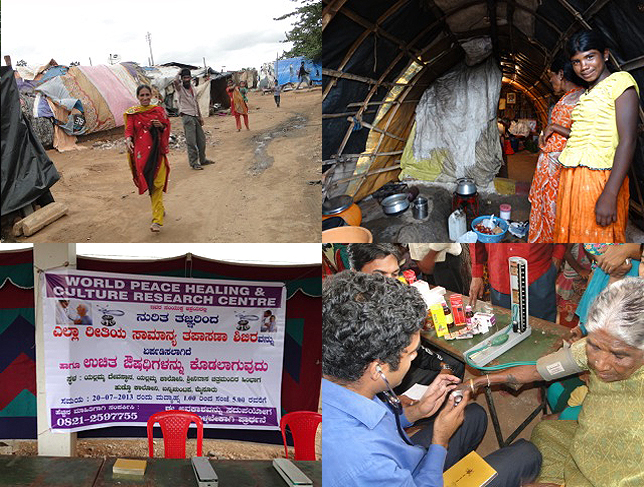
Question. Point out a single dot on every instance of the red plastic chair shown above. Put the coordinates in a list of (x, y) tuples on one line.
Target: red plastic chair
[(174, 427), (303, 426)]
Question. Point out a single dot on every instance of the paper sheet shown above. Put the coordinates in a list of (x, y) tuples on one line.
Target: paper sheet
[(416, 391)]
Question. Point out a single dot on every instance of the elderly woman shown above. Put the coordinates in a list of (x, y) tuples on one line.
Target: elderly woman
[(605, 447)]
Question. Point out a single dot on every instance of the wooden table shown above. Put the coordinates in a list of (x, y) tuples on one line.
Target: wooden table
[(546, 337), (163, 472), (160, 472), (48, 471)]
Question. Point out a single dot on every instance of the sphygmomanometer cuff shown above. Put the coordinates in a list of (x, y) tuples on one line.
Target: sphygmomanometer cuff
[(558, 364)]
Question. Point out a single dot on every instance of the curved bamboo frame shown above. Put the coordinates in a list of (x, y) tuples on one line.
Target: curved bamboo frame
[(533, 84)]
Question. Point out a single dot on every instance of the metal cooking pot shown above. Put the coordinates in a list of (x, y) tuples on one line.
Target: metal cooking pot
[(395, 204), (465, 187), (336, 205)]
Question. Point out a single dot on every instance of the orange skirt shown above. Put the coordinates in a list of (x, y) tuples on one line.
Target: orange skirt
[(543, 197), (579, 190)]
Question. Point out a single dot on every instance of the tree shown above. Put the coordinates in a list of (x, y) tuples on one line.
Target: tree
[(306, 34)]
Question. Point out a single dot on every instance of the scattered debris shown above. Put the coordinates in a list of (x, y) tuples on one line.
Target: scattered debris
[(177, 141)]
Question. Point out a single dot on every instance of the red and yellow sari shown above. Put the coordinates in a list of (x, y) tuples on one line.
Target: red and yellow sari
[(150, 145)]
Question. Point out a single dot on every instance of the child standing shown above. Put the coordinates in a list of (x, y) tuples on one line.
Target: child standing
[(276, 93)]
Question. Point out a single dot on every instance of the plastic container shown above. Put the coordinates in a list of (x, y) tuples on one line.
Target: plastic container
[(505, 211), (485, 238), (352, 215), (333, 222), (457, 224)]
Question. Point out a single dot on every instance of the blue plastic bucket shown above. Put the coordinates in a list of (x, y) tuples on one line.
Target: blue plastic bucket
[(483, 237)]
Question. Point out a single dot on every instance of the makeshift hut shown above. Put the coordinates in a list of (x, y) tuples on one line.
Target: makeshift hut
[(218, 94), (27, 171), (78, 100), (267, 76), (209, 84), (64, 102), (409, 90), (249, 75), (287, 70)]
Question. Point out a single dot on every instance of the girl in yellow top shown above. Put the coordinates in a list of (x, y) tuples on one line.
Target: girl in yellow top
[(592, 203)]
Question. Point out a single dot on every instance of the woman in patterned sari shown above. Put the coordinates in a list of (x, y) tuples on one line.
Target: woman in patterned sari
[(238, 106), (605, 446), (545, 183), (147, 134)]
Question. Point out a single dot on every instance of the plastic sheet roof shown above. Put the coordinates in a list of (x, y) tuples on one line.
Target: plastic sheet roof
[(369, 44)]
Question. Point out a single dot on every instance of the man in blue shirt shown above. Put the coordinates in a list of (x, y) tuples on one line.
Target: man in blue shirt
[(384, 259), (370, 334)]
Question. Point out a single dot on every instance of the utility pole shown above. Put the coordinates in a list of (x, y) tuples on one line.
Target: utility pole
[(148, 37)]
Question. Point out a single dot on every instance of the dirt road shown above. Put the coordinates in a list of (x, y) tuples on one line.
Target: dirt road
[(262, 187)]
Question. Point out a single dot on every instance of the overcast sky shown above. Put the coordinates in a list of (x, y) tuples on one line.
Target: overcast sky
[(234, 34), (268, 253)]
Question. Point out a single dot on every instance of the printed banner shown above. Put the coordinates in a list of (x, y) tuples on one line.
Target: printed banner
[(121, 347)]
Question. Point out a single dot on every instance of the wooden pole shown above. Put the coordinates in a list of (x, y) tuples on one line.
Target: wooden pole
[(365, 175), (343, 114), (39, 219), (376, 129)]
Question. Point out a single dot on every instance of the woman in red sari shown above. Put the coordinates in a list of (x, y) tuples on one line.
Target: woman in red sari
[(238, 106), (147, 134)]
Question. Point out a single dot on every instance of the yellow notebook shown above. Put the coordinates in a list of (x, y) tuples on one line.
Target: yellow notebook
[(124, 466), (470, 471)]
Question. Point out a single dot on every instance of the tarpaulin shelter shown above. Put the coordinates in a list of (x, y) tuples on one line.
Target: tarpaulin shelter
[(27, 171), (95, 97), (249, 75), (77, 100), (302, 370), (209, 85), (287, 70), (381, 56), (88, 99)]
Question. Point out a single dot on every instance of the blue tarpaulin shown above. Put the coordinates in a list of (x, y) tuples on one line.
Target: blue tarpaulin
[(287, 70)]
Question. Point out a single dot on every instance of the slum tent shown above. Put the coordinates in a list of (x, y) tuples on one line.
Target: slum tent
[(78, 100), (209, 85), (27, 171), (287, 70), (407, 83), (91, 99), (249, 75), (267, 76)]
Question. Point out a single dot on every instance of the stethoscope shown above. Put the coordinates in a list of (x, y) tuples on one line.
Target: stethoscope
[(392, 399)]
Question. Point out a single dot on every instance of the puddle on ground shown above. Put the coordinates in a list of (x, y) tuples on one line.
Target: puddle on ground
[(262, 160)]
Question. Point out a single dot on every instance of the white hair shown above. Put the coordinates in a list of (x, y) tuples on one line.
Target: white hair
[(619, 310)]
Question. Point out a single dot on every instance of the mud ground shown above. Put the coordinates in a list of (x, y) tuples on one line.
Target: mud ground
[(263, 187)]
